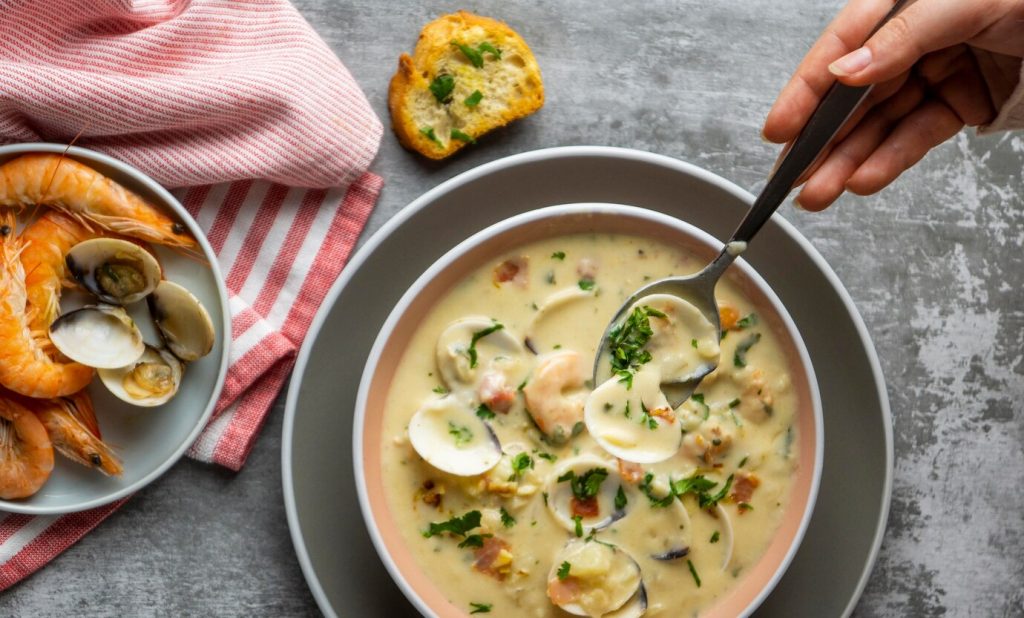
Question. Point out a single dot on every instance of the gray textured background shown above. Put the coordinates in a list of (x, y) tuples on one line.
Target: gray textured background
[(935, 263)]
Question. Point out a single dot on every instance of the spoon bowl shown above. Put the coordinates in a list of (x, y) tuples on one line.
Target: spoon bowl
[(697, 289)]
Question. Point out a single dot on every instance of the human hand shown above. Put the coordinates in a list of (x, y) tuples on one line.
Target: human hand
[(938, 65)]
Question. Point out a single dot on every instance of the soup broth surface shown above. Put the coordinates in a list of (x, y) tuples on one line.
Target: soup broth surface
[(505, 389)]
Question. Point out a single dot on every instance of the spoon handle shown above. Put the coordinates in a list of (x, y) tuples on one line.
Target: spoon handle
[(832, 112)]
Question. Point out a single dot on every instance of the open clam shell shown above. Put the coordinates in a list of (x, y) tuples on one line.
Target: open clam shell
[(116, 271), (449, 436), (100, 336), (150, 381), (593, 578), (470, 347), (633, 421), (598, 512), (182, 320)]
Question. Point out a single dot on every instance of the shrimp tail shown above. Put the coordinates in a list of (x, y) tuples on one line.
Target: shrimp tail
[(74, 430)]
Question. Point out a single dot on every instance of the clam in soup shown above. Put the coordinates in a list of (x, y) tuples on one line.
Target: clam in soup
[(523, 489)]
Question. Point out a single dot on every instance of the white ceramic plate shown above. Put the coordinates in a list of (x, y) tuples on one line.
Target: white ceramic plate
[(344, 573), (149, 440)]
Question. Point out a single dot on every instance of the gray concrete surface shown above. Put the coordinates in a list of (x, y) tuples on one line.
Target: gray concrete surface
[(935, 264)]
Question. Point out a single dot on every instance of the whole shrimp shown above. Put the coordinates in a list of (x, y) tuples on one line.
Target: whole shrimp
[(25, 367), (85, 194), (46, 242), (74, 431), (26, 453)]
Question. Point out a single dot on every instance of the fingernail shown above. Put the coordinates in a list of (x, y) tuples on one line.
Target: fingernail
[(764, 138), (853, 62), (797, 204)]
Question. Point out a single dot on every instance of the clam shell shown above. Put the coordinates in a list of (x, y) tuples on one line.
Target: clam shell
[(100, 336), (499, 350), (182, 320), (448, 435), (115, 271), (560, 496), (114, 379), (623, 583)]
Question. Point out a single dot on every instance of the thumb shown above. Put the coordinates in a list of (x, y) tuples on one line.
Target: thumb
[(923, 27)]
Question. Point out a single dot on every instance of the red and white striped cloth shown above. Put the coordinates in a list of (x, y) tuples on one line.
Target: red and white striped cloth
[(264, 133)]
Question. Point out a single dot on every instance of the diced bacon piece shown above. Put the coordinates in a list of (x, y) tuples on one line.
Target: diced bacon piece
[(743, 486), (630, 472), (495, 393), (512, 269), (665, 413), (489, 558), (728, 316), (585, 508), (563, 591)]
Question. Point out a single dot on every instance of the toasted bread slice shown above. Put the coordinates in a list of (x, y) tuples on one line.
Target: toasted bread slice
[(467, 76)]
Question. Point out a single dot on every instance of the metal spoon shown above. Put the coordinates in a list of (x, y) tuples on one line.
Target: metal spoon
[(699, 289)]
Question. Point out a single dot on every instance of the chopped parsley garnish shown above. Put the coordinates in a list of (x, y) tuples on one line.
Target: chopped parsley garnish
[(480, 608), (626, 343), (472, 55), (693, 342), (442, 87), (696, 485), (456, 525), (585, 486), (520, 463), (715, 537), (563, 570), (461, 433), (558, 255), (739, 359), (710, 500), (548, 456), (620, 499), (646, 418), (693, 571), (429, 132), (474, 540), (484, 412), (440, 390), (699, 398), (734, 403), (486, 47), (743, 462), (745, 506), (459, 135), (507, 520), (522, 384), (628, 413), (477, 336), (550, 277), (656, 501), (476, 56), (578, 520), (746, 321), (586, 284), (474, 99)]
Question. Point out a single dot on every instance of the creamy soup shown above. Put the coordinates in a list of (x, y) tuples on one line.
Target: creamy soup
[(524, 489)]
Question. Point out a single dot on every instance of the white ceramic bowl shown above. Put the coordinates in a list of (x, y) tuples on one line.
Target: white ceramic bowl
[(403, 321), (149, 440)]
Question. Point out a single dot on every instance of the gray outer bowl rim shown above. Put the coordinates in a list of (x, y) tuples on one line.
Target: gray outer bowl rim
[(169, 201), (534, 156)]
